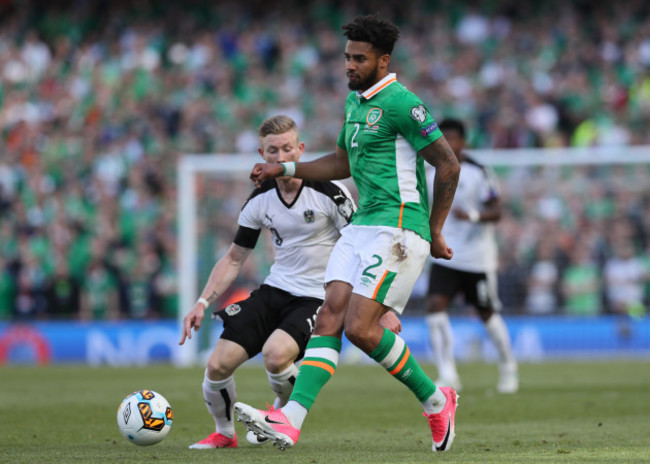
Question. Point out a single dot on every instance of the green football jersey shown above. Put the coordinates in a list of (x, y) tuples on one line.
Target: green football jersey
[(384, 128)]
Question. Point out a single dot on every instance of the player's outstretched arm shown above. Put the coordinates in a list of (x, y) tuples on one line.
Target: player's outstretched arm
[(221, 277), (440, 155), (329, 167)]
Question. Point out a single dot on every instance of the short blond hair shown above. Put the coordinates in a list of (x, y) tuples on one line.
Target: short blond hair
[(277, 125)]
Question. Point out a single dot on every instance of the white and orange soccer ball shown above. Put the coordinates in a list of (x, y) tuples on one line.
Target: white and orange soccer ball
[(145, 417)]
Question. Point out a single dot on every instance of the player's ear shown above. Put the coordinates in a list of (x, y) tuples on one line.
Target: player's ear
[(260, 151), (301, 148), (384, 61)]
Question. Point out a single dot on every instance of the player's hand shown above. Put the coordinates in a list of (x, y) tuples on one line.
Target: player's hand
[(390, 321), (464, 215), (460, 214), (263, 171), (439, 248), (192, 320)]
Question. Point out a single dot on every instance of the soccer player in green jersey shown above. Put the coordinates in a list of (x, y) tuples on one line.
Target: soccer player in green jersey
[(387, 135)]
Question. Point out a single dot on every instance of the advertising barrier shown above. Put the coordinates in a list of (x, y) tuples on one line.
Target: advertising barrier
[(127, 343)]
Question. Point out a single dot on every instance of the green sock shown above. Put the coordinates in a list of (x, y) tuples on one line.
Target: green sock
[(317, 367), (393, 354)]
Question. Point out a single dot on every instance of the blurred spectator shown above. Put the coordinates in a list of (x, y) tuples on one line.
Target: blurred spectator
[(581, 284), (99, 297), (62, 292), (543, 280), (7, 289), (625, 277), (511, 281), (31, 300)]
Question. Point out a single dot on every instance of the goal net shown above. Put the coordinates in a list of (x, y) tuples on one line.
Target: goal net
[(563, 192)]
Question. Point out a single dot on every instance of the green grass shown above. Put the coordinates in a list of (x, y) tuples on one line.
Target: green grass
[(589, 412)]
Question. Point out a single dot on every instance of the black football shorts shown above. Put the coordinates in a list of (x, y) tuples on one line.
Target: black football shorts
[(251, 322), (477, 288)]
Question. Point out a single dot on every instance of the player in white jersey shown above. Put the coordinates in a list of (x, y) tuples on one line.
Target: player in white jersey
[(305, 219), (472, 271)]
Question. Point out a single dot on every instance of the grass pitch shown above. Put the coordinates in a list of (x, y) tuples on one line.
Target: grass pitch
[(588, 412)]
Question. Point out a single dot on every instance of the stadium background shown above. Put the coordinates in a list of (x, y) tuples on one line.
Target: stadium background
[(98, 100)]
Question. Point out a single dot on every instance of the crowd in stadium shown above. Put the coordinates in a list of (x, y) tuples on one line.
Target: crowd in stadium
[(98, 99)]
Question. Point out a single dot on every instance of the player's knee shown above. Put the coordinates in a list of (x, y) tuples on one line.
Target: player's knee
[(217, 369), (437, 304), (329, 321), (329, 311), (277, 358)]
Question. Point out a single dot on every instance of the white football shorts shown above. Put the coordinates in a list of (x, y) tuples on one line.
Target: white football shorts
[(381, 263)]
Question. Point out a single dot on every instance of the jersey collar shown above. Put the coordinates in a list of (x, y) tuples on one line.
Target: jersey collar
[(378, 87)]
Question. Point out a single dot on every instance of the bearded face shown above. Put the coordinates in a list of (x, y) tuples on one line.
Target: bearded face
[(361, 65)]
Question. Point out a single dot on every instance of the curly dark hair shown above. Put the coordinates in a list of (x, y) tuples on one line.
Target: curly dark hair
[(380, 33), (452, 125)]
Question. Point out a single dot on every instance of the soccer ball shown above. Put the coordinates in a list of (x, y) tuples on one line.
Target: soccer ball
[(145, 417)]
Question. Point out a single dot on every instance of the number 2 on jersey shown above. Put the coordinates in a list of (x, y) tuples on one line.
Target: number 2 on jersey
[(372, 266), (353, 142)]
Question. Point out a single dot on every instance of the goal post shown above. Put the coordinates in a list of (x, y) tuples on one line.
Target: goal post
[(188, 167), (234, 169)]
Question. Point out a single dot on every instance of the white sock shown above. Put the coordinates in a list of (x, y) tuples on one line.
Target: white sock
[(220, 396), (282, 384), (498, 333), (295, 412), (442, 341), (435, 403)]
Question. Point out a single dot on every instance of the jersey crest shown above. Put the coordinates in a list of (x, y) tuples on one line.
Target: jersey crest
[(374, 115), (309, 216), (232, 309)]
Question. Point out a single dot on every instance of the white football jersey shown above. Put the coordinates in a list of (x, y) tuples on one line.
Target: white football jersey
[(474, 243), (303, 232)]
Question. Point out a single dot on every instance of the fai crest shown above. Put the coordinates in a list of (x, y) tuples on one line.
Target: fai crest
[(309, 216), (232, 309), (419, 113), (374, 115)]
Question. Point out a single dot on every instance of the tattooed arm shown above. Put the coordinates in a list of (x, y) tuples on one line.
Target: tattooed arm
[(440, 155), (223, 274)]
